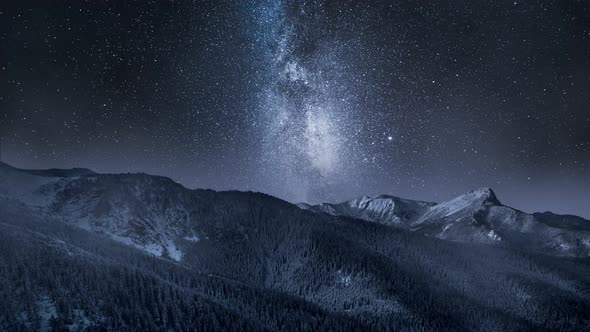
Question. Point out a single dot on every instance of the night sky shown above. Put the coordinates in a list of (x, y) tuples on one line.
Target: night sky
[(307, 100)]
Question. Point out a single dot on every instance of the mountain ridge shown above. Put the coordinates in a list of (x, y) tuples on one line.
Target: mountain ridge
[(122, 206), (142, 252), (476, 216)]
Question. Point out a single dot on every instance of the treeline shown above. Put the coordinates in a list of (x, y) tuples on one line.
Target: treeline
[(97, 293), (263, 264)]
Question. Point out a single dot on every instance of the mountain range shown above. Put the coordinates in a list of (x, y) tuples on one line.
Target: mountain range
[(477, 216), (81, 250)]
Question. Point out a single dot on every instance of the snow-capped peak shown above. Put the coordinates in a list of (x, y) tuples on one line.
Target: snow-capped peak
[(485, 195), (469, 202), (383, 209)]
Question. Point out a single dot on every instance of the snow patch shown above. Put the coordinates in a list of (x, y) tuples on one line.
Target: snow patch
[(192, 238), (81, 322), (344, 279), (46, 310), (122, 239), (493, 235), (151, 248), (457, 205), (154, 249), (173, 251)]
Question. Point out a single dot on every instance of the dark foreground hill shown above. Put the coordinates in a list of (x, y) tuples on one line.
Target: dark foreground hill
[(133, 252)]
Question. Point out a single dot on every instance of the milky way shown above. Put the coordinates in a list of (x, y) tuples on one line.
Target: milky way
[(305, 152), (307, 100)]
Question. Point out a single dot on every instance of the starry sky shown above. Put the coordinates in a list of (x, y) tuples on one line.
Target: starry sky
[(307, 100)]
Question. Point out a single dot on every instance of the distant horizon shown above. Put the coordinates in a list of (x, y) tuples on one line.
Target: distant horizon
[(371, 195)]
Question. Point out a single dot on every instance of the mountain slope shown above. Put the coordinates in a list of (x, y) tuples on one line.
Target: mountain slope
[(383, 209), (259, 264), (477, 216)]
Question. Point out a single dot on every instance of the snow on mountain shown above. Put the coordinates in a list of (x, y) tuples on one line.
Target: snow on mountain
[(18, 183), (458, 219), (383, 209), (146, 212), (461, 205), (477, 216), (161, 217)]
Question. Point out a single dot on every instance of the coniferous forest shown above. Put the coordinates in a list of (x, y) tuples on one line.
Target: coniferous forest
[(259, 263)]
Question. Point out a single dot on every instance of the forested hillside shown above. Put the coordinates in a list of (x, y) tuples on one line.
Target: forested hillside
[(133, 252)]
